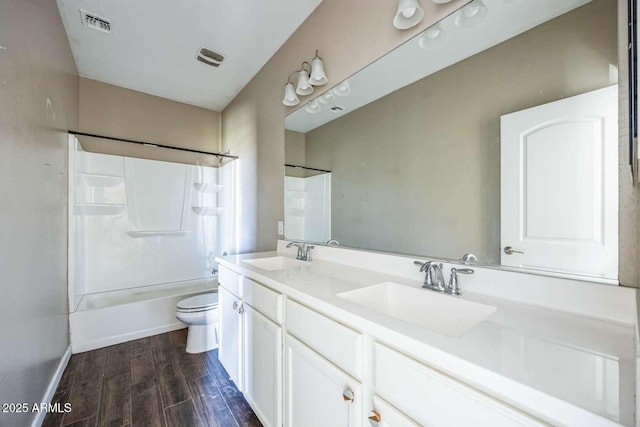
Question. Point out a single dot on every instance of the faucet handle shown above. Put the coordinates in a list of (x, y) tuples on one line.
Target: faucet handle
[(423, 265), (454, 286), (307, 252)]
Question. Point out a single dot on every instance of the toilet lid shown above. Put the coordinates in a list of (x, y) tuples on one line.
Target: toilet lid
[(199, 302)]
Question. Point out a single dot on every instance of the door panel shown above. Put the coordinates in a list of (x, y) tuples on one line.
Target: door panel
[(559, 185), (314, 390), (230, 326), (263, 366)]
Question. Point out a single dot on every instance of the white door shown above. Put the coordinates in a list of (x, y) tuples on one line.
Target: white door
[(317, 393), (263, 366), (230, 327), (559, 186)]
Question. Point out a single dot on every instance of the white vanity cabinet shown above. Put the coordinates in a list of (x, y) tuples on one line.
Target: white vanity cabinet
[(251, 343), (317, 393)]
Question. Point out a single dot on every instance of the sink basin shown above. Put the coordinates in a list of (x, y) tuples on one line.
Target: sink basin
[(275, 263), (444, 314)]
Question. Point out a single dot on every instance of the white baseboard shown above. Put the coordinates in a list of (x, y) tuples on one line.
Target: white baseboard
[(53, 386), (81, 346)]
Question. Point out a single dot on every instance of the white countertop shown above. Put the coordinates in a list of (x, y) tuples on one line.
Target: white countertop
[(553, 365)]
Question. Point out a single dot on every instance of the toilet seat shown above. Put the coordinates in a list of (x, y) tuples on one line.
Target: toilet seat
[(198, 303)]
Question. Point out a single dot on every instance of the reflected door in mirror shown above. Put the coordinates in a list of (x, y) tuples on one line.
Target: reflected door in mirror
[(559, 192)]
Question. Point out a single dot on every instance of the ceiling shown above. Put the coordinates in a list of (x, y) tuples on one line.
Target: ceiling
[(410, 63), (153, 43)]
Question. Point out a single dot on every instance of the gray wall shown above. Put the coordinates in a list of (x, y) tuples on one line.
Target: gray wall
[(252, 124), (38, 102), (418, 171), (294, 146)]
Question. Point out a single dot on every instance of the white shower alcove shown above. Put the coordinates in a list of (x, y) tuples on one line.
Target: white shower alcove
[(143, 234)]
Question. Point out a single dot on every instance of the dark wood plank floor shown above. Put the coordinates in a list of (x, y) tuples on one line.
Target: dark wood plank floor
[(150, 382)]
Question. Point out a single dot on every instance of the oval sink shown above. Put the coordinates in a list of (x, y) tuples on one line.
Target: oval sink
[(440, 313), (275, 263)]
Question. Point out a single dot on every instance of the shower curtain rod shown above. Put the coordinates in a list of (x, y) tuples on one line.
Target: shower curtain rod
[(150, 144), (305, 167)]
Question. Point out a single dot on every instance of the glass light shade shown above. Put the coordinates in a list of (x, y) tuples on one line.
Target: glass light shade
[(472, 14), (318, 76), (303, 87), (313, 107), (290, 97), (343, 89), (327, 98), (409, 14), (432, 37)]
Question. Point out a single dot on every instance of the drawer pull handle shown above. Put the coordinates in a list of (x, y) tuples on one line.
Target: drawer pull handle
[(347, 395), (235, 305), (374, 416)]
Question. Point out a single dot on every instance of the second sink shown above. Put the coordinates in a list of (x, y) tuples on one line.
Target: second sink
[(440, 313)]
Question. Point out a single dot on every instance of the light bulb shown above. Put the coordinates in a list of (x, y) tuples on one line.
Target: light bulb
[(471, 11), (408, 13)]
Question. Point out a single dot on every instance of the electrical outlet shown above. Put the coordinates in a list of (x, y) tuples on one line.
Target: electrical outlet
[(280, 228)]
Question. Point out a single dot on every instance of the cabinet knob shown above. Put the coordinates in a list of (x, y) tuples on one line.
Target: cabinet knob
[(374, 416), (347, 395), (241, 309), (235, 305)]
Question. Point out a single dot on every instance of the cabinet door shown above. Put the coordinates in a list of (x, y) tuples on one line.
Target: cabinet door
[(317, 393), (230, 327), (263, 366)]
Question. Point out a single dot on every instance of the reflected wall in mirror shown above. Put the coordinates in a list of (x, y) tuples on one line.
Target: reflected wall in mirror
[(496, 139)]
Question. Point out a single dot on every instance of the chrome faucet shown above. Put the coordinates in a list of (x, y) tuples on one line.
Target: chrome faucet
[(304, 251), (332, 242), (434, 278)]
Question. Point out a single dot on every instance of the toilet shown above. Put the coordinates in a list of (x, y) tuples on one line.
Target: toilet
[(201, 314)]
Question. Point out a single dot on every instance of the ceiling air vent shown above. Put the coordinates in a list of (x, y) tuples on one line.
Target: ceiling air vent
[(210, 57), (95, 22)]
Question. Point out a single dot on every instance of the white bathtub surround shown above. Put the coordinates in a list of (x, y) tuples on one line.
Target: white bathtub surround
[(559, 350), (109, 318)]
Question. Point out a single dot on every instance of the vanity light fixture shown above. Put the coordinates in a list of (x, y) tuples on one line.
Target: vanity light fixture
[(343, 89), (432, 37), (409, 14), (313, 107), (290, 98), (472, 14), (304, 87), (318, 76)]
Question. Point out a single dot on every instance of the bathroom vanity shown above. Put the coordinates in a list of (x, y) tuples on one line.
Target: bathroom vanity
[(352, 338)]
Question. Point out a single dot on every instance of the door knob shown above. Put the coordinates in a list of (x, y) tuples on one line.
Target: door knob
[(510, 251), (241, 309), (374, 416), (347, 395)]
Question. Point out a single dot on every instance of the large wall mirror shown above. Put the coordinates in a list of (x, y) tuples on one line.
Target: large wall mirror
[(494, 132)]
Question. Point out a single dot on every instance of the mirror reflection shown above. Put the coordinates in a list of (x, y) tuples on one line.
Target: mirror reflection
[(495, 136)]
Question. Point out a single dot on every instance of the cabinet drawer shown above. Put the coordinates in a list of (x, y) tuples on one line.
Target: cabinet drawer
[(338, 343), (230, 280), (434, 399), (390, 416), (263, 299)]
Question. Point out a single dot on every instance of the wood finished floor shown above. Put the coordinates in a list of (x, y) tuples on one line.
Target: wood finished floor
[(150, 382)]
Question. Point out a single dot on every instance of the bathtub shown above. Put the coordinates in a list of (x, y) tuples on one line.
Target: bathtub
[(108, 318)]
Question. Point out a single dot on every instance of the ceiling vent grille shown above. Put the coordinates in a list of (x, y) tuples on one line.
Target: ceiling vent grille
[(210, 57), (95, 22)]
